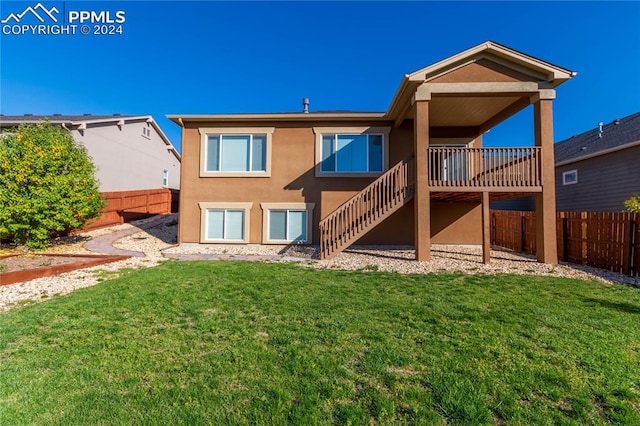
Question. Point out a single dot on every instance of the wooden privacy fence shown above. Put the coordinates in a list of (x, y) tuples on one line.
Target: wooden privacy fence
[(607, 240), (123, 203)]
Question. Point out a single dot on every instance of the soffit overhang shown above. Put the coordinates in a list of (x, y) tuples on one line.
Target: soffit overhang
[(477, 101)]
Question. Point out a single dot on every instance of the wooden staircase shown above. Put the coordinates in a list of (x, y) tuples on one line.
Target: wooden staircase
[(365, 210)]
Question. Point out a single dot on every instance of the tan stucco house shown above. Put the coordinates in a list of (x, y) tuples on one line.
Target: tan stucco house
[(415, 174)]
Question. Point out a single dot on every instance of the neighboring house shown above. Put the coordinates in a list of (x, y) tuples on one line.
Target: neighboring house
[(133, 157), (597, 170), (415, 174)]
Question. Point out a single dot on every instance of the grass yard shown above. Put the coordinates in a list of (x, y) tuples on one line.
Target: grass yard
[(253, 343)]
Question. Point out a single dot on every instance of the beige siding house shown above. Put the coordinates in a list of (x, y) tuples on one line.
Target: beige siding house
[(138, 168), (130, 152)]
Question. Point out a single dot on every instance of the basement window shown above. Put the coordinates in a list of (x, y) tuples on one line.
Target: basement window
[(286, 222), (224, 222), (570, 177)]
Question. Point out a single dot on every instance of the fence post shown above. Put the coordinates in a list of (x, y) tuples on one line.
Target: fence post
[(583, 237), (523, 233), (565, 239), (493, 228), (633, 268)]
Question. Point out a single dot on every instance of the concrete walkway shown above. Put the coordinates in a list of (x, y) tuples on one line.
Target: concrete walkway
[(104, 243)]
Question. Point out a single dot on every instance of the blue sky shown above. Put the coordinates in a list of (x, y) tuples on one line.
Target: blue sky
[(218, 57)]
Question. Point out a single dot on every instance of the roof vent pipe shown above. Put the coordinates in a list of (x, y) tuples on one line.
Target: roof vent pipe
[(305, 105), (616, 121), (600, 124)]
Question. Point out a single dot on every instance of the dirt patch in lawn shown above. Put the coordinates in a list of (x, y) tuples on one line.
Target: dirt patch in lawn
[(23, 267)]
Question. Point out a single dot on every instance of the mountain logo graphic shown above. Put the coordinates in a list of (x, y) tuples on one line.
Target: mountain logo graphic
[(38, 11)]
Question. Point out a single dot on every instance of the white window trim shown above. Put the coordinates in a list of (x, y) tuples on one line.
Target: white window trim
[(384, 131), (565, 174), (165, 178), (204, 206), (266, 207), (206, 131)]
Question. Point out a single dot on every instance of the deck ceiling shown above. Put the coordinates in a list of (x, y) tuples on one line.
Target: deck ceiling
[(463, 111), (473, 197)]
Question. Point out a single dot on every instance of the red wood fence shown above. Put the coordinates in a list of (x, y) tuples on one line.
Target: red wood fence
[(124, 204), (606, 240)]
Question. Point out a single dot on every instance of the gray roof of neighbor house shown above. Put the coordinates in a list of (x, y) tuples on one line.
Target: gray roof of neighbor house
[(615, 135), (57, 118), (75, 120)]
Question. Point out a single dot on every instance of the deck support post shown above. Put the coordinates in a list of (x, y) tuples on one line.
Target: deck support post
[(546, 245), (486, 229), (422, 197)]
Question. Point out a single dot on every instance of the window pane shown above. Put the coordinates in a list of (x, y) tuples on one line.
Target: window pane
[(328, 154), (352, 153), (213, 151), (235, 153), (235, 224), (297, 227), (375, 153), (259, 153), (277, 224), (215, 224)]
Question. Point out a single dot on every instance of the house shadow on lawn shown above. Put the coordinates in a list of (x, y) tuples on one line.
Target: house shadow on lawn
[(628, 308)]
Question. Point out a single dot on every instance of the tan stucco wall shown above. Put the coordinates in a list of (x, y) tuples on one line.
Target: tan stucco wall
[(293, 180), (483, 71)]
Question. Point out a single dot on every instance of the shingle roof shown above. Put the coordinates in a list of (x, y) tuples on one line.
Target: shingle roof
[(57, 118), (10, 121), (618, 133)]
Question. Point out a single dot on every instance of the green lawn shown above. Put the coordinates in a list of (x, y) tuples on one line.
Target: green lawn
[(252, 343)]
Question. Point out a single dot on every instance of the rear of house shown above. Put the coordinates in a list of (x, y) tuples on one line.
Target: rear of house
[(416, 174)]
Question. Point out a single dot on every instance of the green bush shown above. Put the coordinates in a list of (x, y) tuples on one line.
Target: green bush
[(633, 203), (47, 184)]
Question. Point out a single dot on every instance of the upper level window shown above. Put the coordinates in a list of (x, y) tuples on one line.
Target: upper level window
[(351, 151), (570, 177), (232, 153), (146, 132), (236, 153)]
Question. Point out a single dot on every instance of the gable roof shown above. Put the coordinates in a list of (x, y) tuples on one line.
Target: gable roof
[(88, 119), (619, 134), (542, 71)]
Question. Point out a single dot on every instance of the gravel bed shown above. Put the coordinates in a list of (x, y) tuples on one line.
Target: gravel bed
[(150, 242), (162, 239)]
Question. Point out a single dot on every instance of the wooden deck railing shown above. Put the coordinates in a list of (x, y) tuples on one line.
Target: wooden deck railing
[(366, 209), (463, 169)]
